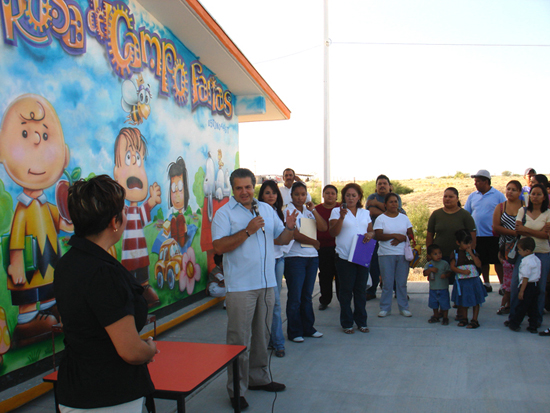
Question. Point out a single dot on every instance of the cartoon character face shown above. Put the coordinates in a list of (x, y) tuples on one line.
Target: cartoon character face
[(32, 147), (177, 195), (130, 169)]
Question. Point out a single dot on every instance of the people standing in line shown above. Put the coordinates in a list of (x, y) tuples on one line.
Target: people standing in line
[(376, 206), (245, 231), (327, 251), (533, 221), (504, 224), (481, 204), (438, 270), (529, 275), (301, 265), (102, 307), (529, 173), (270, 194), (289, 177), (468, 291), (392, 229), (346, 223)]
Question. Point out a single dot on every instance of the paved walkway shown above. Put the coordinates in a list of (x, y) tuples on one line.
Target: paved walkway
[(403, 364)]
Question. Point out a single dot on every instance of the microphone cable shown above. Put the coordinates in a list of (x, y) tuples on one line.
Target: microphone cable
[(267, 324)]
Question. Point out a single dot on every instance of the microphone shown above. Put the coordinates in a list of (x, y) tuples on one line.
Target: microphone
[(256, 211)]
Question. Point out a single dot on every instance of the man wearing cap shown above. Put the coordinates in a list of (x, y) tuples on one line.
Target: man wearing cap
[(529, 172), (481, 204)]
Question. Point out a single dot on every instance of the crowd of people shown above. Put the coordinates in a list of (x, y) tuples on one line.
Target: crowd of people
[(283, 233)]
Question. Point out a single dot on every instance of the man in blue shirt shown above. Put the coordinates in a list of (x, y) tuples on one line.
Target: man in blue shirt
[(481, 204), (245, 231)]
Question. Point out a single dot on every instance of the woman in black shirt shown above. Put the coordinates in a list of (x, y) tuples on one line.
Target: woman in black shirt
[(101, 307)]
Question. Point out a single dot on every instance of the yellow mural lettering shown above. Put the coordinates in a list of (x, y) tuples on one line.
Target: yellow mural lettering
[(64, 17), (169, 56), (120, 59), (74, 37), (11, 21), (152, 43)]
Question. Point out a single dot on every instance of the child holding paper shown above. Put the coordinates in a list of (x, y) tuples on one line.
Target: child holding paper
[(345, 224)]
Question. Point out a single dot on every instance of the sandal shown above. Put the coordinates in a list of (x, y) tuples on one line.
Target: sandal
[(463, 322), (433, 319), (363, 329), (349, 330), (279, 353), (445, 322), (501, 310), (473, 324)]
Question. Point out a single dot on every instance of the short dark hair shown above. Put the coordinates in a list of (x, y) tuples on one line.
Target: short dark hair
[(289, 169), (527, 243), (389, 195), (297, 184), (93, 203), (516, 183), (176, 169), (330, 186), (353, 185), (242, 173), (383, 177), (432, 248)]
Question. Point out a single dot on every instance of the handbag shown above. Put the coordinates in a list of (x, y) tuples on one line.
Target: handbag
[(510, 248), (409, 256)]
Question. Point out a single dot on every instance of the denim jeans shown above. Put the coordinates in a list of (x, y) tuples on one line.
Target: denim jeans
[(394, 268), (545, 267), (277, 339), (300, 274), (353, 282)]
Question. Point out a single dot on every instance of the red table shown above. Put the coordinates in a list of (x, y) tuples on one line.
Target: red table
[(180, 368)]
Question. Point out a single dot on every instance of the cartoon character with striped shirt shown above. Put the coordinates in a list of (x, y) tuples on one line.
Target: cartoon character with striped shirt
[(129, 171)]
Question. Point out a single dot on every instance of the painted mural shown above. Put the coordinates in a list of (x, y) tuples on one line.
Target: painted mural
[(99, 87)]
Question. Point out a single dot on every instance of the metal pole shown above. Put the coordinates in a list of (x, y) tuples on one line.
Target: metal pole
[(326, 173)]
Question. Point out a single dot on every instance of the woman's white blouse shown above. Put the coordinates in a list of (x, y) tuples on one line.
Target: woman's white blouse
[(397, 225), (296, 249), (351, 227)]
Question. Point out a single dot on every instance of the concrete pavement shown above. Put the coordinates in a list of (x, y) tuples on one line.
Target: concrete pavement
[(403, 364)]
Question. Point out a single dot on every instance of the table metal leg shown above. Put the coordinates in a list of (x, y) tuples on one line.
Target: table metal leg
[(236, 385), (181, 404)]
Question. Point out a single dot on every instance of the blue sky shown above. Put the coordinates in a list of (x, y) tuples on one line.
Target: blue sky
[(408, 111)]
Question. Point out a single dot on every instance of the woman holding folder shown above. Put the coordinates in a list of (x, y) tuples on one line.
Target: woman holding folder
[(346, 223), (301, 265)]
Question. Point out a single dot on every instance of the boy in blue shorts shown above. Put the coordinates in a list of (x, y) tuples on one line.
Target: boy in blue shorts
[(437, 271)]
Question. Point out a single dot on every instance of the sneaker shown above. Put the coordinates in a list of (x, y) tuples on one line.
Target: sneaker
[(317, 334), (383, 313), (298, 339), (405, 313)]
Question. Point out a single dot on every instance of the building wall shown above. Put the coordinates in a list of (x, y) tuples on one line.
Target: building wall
[(74, 76)]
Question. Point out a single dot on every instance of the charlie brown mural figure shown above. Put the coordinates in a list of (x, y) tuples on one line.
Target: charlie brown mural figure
[(129, 171), (34, 154)]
